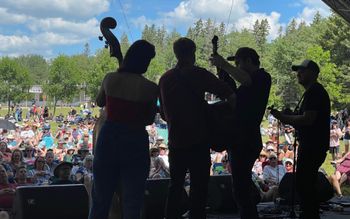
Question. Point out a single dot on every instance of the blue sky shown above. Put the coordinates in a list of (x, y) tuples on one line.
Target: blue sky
[(52, 27)]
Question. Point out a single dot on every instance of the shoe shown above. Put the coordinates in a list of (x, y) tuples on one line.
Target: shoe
[(340, 197)]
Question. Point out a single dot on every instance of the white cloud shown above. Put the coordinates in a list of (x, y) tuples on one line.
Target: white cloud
[(9, 18), (44, 24), (189, 11), (37, 44), (310, 9), (78, 9), (88, 28), (249, 19)]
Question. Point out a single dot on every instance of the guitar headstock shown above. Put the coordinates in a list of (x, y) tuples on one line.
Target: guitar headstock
[(214, 42)]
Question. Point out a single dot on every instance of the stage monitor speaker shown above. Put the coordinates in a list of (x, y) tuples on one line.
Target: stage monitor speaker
[(54, 202), (324, 188), (220, 195), (156, 194)]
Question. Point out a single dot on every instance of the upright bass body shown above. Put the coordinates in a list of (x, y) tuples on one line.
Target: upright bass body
[(98, 124)]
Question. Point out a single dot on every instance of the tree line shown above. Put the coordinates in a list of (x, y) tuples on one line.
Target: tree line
[(325, 40)]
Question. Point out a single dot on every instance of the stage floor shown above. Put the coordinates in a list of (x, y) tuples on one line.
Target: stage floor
[(326, 214)]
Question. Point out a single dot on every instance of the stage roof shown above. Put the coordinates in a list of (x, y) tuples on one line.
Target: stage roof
[(341, 7)]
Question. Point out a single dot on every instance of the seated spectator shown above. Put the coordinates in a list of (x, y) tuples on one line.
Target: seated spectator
[(41, 172), (273, 172), (286, 151), (50, 161), (82, 153), (11, 142), (257, 168), (342, 172), (288, 164), (163, 154), (21, 178), (85, 141), (288, 133), (7, 167), (60, 149), (85, 169), (267, 194), (46, 143), (62, 174), (152, 134), (5, 151), (157, 165), (68, 157), (16, 160), (7, 190), (270, 149), (219, 166), (159, 141), (28, 155)]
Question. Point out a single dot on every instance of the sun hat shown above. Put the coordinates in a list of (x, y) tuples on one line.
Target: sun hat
[(63, 163)]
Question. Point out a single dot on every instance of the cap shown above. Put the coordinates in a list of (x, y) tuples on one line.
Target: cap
[(160, 138), (63, 163), (307, 64), (163, 146), (245, 52), (270, 147), (288, 160)]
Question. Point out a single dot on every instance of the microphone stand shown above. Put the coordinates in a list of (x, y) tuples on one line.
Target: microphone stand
[(292, 213)]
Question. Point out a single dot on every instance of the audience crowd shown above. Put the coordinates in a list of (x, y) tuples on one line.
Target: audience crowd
[(33, 154)]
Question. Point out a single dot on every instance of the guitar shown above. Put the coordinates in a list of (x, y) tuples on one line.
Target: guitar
[(113, 44), (220, 115)]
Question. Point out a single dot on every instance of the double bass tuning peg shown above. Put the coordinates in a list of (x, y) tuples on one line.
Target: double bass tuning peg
[(100, 38)]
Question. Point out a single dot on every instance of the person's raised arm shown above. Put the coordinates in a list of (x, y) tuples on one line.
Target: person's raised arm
[(239, 75)]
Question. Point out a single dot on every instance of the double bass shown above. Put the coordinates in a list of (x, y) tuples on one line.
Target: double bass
[(113, 44)]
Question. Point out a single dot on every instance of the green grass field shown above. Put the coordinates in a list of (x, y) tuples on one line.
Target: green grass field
[(54, 125)]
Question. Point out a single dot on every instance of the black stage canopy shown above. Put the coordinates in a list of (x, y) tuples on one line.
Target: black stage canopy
[(341, 7)]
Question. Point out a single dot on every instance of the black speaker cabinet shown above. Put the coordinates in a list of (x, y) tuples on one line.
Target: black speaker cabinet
[(54, 202), (220, 195), (156, 194)]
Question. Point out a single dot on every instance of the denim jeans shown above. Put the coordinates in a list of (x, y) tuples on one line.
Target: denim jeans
[(121, 159)]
